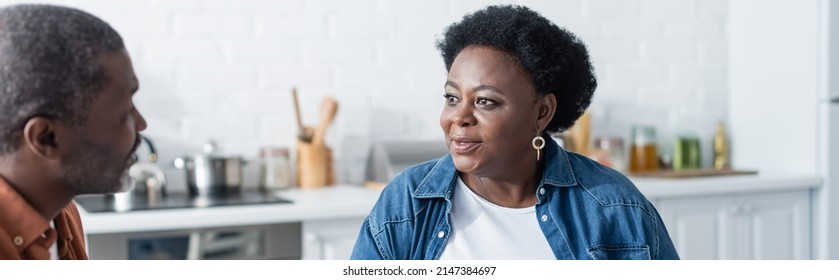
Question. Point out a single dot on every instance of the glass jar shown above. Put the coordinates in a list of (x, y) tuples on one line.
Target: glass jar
[(610, 152), (686, 153), (274, 169), (643, 152)]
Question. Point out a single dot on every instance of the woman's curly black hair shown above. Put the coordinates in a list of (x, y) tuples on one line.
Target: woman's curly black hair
[(556, 59)]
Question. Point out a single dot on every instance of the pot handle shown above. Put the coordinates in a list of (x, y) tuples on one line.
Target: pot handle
[(152, 150)]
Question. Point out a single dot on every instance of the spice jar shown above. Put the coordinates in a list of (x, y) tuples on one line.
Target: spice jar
[(643, 152), (686, 153), (610, 152), (274, 169)]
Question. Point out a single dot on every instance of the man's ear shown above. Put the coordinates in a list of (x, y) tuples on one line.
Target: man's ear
[(40, 137), (547, 108)]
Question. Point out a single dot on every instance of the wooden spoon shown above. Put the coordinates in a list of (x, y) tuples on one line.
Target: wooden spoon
[(328, 108), (303, 133)]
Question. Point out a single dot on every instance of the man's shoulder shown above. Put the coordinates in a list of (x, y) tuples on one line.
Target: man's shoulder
[(71, 213)]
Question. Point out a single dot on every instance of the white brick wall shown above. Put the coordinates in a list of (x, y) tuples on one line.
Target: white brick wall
[(223, 68)]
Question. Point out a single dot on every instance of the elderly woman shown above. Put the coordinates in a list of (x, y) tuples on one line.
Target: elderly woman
[(506, 190)]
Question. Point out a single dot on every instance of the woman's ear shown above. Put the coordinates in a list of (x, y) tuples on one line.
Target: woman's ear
[(546, 106), (39, 137)]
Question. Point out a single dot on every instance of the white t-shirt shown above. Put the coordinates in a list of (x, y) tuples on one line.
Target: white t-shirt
[(54, 247), (483, 230)]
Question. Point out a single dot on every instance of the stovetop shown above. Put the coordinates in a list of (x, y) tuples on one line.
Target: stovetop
[(109, 203)]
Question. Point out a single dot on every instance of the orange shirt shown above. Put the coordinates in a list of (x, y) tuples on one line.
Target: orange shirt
[(25, 234)]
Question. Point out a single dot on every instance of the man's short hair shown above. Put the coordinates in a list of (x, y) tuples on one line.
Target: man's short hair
[(49, 66)]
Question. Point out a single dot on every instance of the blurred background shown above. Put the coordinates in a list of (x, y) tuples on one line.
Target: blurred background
[(224, 69)]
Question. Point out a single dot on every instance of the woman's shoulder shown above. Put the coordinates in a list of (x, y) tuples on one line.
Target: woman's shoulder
[(416, 175), (607, 185), (416, 183)]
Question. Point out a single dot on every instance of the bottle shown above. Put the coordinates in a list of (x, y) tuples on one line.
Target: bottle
[(643, 152), (721, 153)]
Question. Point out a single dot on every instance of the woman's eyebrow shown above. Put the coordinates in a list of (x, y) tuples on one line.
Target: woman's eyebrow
[(488, 87), (451, 84)]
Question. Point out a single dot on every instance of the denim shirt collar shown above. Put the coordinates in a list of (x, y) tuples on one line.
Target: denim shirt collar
[(441, 179)]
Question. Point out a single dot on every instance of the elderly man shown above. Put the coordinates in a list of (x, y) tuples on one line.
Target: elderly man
[(67, 125)]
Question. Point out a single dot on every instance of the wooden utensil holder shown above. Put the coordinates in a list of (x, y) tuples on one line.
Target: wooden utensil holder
[(314, 165)]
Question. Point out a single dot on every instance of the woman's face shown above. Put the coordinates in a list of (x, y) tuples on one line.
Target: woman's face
[(491, 113)]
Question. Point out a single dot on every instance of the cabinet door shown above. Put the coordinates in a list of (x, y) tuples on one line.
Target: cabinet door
[(330, 239), (700, 227), (773, 226)]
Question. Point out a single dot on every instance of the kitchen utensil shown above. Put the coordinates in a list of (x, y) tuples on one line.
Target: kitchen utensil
[(314, 158), (304, 133), (328, 109), (148, 177), (211, 174), (313, 165), (579, 134), (148, 182)]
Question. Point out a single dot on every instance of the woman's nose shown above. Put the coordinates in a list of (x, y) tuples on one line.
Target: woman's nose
[(463, 115)]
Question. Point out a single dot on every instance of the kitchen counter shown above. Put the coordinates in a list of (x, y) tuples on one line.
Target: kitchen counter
[(348, 201), (655, 188), (336, 202)]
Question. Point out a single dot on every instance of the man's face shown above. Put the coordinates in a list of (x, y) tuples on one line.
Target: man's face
[(105, 143)]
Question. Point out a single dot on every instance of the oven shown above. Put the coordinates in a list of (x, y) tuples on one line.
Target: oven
[(256, 242)]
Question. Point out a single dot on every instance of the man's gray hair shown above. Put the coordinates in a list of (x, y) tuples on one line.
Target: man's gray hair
[(49, 66)]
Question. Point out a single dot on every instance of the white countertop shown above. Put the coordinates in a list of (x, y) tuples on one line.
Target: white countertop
[(347, 201), (343, 201), (655, 188)]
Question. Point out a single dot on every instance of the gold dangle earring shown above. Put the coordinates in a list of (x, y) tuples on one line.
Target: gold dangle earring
[(538, 147)]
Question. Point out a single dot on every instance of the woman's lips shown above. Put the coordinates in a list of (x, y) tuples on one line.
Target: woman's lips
[(464, 145)]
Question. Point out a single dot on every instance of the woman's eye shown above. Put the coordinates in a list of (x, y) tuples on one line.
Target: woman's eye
[(450, 99), (486, 102)]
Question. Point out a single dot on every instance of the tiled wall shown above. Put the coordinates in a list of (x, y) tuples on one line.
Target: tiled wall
[(223, 69)]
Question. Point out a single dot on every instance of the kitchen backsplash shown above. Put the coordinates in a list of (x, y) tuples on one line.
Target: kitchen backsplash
[(223, 69)]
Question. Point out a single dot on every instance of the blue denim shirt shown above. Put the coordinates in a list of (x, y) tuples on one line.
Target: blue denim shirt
[(585, 210)]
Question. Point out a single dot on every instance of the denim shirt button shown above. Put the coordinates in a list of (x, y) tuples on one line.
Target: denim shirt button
[(541, 190), (441, 234), (544, 218)]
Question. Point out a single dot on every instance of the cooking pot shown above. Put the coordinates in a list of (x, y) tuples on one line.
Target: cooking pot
[(211, 174)]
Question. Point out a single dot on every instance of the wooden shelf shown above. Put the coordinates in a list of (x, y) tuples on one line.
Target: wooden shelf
[(705, 172)]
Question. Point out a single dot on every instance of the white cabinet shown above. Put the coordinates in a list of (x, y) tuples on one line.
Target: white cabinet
[(331, 239), (772, 225)]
